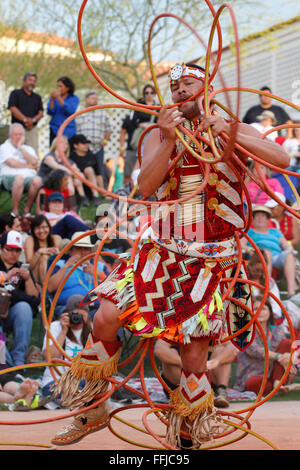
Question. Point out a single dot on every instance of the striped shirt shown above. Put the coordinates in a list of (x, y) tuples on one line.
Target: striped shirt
[(94, 125)]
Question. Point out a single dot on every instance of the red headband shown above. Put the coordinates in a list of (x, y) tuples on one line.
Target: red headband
[(179, 71)]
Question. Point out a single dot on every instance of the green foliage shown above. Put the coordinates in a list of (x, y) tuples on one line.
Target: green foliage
[(119, 29)]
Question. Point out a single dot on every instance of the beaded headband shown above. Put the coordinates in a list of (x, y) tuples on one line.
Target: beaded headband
[(179, 71)]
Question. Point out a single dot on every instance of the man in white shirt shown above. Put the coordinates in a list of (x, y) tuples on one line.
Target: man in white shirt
[(18, 168)]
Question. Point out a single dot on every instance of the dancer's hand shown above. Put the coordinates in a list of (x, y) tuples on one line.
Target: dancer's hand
[(217, 125), (168, 120)]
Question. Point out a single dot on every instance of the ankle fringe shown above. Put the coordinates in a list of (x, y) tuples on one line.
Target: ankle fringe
[(200, 422), (94, 376), (184, 409)]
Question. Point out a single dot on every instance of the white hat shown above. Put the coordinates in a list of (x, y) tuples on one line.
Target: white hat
[(12, 239), (266, 115), (272, 203), (84, 242), (261, 208)]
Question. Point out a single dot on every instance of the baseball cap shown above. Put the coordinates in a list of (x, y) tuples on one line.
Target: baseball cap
[(102, 210), (74, 302), (84, 242), (79, 139), (56, 197), (12, 239)]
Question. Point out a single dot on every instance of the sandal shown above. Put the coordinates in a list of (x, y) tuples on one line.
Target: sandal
[(21, 405), (38, 401)]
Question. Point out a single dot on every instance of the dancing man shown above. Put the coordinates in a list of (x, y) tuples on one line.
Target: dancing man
[(174, 288)]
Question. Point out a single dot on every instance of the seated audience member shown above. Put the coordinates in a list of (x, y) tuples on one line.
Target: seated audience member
[(9, 221), (87, 163), (71, 331), (266, 122), (18, 168), (53, 161), (21, 394), (63, 223), (292, 147), (81, 280), (117, 208), (56, 182), (279, 251), (219, 365), (114, 243), (256, 193), (39, 246), (251, 362), (24, 301), (171, 365), (256, 273), (284, 221)]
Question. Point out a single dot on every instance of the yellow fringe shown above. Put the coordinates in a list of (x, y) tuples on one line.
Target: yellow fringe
[(96, 371), (183, 409)]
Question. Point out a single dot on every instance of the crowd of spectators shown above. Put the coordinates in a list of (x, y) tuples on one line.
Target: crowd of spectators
[(52, 219)]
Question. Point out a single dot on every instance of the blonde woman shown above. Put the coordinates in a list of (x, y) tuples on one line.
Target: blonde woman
[(53, 161)]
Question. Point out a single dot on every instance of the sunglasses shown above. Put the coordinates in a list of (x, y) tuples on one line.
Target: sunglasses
[(149, 93)]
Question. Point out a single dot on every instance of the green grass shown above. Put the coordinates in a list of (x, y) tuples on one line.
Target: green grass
[(86, 213)]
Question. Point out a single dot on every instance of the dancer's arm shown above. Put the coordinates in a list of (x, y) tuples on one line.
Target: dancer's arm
[(250, 139), (157, 151)]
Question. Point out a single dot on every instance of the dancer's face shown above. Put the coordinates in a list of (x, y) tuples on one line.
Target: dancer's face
[(184, 89)]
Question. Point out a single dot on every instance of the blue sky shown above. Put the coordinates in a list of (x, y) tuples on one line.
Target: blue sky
[(276, 11)]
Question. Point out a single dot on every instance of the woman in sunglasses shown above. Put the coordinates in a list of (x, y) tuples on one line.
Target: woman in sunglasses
[(133, 126)]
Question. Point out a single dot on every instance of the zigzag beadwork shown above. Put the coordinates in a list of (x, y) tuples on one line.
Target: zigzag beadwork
[(194, 388), (158, 282), (178, 291)]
